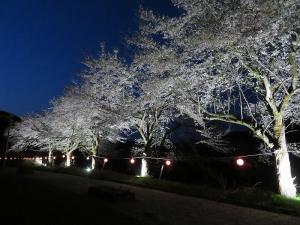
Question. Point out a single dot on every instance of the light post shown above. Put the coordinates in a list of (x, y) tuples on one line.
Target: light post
[(105, 160), (167, 163), (73, 160)]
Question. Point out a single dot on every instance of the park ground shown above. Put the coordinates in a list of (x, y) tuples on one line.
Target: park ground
[(41, 197)]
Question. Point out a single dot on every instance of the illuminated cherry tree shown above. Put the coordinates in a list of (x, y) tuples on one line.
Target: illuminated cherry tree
[(81, 124), (25, 135), (35, 132), (106, 84), (133, 102), (232, 61), (152, 124), (153, 112)]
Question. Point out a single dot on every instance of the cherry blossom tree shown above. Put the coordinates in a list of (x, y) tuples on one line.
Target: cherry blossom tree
[(107, 86), (232, 61), (133, 102), (35, 132), (152, 113), (81, 124), (24, 134), (44, 125)]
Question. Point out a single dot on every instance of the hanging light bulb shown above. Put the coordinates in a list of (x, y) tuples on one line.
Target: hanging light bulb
[(132, 160), (168, 162), (240, 162)]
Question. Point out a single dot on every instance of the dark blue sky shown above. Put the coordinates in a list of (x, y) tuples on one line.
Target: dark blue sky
[(42, 44)]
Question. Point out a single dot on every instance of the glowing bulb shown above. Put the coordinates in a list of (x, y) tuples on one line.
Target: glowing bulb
[(88, 169), (105, 160), (63, 156), (73, 157), (87, 158), (240, 162), (54, 157), (168, 162), (132, 161)]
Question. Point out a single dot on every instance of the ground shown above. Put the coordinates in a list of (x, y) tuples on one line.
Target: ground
[(30, 200), (52, 198)]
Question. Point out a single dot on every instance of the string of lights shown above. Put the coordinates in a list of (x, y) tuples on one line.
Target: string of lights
[(167, 161), (105, 158)]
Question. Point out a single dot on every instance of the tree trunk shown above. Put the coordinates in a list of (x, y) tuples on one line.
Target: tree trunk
[(68, 159), (95, 151), (145, 164), (94, 154), (144, 168), (286, 184), (93, 165), (50, 157)]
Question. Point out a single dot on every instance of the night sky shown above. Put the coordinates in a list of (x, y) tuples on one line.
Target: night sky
[(42, 44)]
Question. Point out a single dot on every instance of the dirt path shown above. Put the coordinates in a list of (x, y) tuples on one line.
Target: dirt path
[(157, 207)]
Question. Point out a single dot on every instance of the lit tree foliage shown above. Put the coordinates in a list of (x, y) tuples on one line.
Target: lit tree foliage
[(25, 135)]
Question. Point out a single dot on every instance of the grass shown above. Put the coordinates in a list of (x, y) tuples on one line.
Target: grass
[(244, 196)]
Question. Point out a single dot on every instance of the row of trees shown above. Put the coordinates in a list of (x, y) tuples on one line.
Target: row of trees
[(231, 61), (113, 102)]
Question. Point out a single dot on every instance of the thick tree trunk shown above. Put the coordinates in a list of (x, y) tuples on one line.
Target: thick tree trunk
[(145, 164), (286, 184), (68, 159), (144, 168)]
